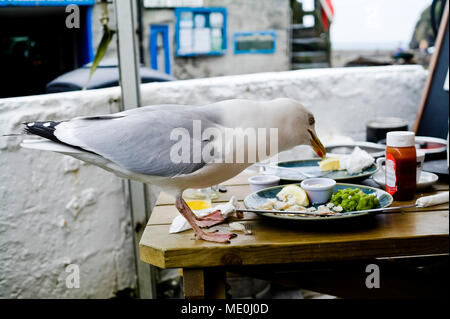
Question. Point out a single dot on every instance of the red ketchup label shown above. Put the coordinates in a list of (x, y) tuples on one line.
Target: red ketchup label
[(391, 176)]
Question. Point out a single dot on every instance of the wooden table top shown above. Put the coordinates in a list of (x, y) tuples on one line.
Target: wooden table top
[(417, 231)]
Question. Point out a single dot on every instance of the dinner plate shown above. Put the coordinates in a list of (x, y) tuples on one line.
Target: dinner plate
[(255, 200), (426, 179), (375, 150), (311, 166)]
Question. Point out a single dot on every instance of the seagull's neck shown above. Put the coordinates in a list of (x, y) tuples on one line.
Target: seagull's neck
[(245, 114), (263, 116)]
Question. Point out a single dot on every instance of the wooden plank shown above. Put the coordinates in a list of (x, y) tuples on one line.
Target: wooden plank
[(215, 283), (201, 283), (273, 243), (240, 179), (194, 283)]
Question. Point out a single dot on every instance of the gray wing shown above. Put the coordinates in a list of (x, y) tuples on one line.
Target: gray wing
[(151, 141)]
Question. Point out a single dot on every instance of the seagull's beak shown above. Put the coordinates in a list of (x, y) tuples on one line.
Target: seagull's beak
[(317, 144)]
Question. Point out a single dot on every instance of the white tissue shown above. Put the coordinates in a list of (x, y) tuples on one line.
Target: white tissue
[(432, 200), (180, 224), (357, 161)]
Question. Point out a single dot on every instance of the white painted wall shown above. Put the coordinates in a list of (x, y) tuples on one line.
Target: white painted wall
[(55, 211)]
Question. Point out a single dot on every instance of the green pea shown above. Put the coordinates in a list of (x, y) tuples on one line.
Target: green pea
[(354, 199)]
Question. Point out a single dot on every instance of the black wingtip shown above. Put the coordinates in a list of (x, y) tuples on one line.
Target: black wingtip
[(43, 129), (46, 130)]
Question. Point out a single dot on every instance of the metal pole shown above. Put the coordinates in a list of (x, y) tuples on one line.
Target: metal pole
[(127, 49)]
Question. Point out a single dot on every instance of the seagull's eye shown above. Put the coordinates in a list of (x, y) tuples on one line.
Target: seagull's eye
[(311, 121)]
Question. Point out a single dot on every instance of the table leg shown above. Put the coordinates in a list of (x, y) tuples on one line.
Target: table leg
[(204, 283)]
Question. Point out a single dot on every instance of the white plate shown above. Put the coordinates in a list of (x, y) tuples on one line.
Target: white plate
[(433, 145), (376, 150), (426, 179)]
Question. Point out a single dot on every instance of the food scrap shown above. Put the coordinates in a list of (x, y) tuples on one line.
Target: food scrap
[(292, 199), (330, 164), (354, 163)]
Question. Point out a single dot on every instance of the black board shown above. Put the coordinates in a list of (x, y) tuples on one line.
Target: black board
[(434, 112)]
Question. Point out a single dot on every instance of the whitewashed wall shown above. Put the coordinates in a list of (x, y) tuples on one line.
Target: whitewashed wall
[(55, 211)]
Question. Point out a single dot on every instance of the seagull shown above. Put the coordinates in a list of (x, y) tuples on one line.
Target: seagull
[(177, 147)]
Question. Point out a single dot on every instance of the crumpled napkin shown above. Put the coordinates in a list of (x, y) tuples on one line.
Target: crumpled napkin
[(180, 224), (357, 161), (432, 200)]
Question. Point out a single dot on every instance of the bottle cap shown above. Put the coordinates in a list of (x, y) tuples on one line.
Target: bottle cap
[(400, 139)]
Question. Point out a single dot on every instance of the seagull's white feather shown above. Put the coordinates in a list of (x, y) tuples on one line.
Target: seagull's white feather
[(137, 144), (137, 141), (47, 145)]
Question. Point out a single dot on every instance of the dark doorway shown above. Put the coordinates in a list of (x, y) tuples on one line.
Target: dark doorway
[(36, 46)]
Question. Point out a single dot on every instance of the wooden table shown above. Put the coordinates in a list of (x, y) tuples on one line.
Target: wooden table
[(330, 260)]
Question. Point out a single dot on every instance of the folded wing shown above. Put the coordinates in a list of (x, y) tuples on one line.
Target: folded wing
[(140, 140)]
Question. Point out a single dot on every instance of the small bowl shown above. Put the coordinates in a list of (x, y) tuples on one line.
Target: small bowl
[(259, 182), (319, 190)]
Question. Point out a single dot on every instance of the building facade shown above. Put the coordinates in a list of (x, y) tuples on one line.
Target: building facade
[(184, 38), (254, 36)]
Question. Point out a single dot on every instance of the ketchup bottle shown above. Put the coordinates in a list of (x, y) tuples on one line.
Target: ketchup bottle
[(401, 165)]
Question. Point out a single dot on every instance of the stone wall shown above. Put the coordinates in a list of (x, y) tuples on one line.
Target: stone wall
[(56, 211)]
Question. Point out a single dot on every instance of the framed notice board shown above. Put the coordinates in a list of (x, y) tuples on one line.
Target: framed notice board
[(432, 119), (255, 42), (200, 31)]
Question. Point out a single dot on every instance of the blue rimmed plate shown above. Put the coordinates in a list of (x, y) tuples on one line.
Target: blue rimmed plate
[(255, 200), (311, 167)]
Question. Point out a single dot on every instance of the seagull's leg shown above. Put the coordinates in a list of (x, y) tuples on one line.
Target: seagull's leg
[(184, 210)]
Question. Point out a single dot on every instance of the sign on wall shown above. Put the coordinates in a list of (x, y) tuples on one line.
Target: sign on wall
[(255, 42), (200, 31), (172, 3)]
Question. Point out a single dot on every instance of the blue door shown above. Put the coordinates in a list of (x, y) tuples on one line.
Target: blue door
[(155, 32)]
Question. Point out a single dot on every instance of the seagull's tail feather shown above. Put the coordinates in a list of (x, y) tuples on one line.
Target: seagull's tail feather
[(46, 130), (46, 145)]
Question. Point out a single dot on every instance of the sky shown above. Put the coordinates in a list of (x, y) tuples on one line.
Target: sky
[(374, 24)]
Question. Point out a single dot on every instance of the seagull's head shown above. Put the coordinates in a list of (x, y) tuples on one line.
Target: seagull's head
[(299, 126), (312, 136)]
